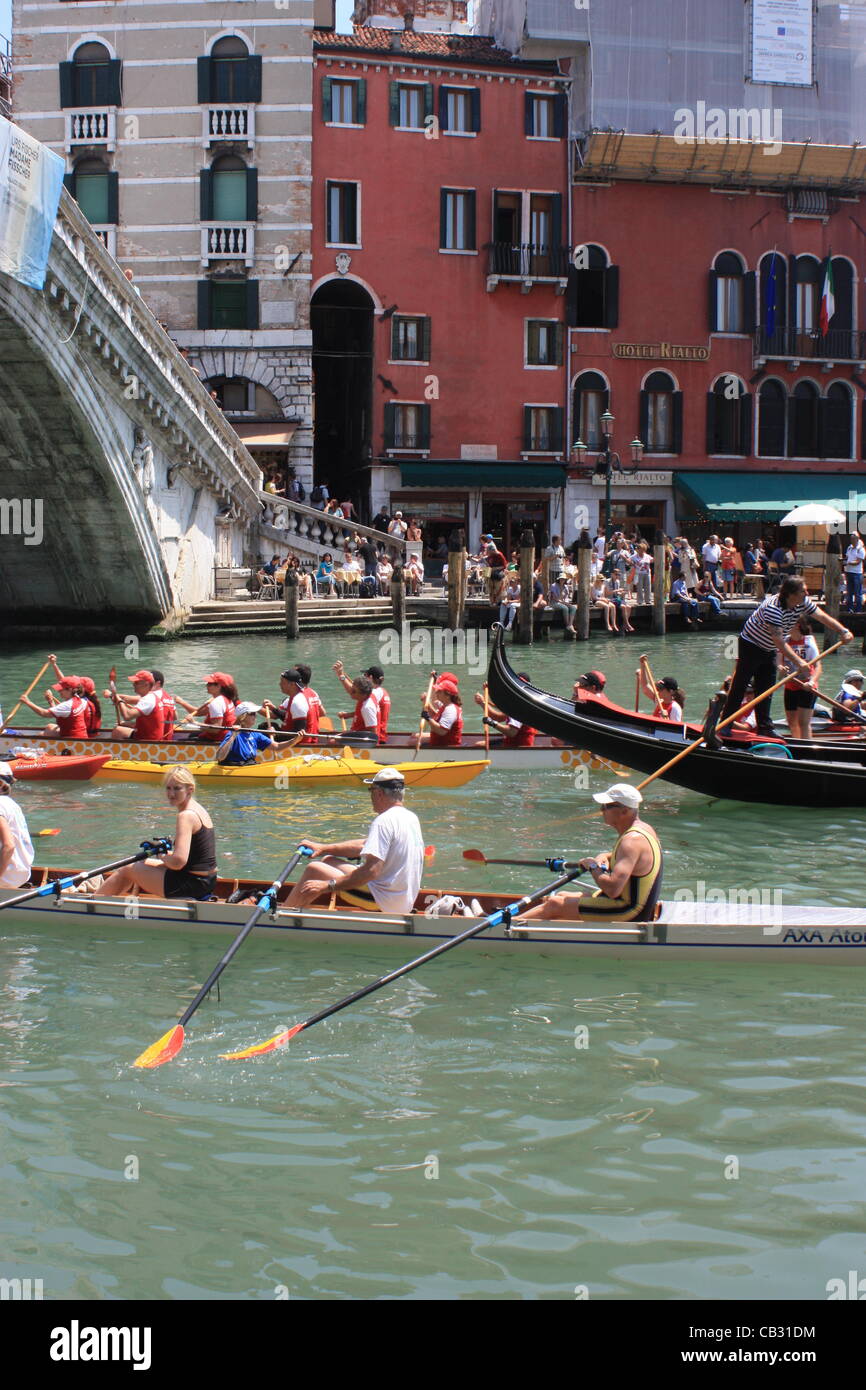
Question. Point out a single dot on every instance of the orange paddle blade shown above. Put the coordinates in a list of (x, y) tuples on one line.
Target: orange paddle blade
[(47, 832), (159, 1053), (259, 1049), (476, 855), (429, 851)]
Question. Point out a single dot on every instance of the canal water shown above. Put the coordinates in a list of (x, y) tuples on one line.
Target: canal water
[(484, 1128)]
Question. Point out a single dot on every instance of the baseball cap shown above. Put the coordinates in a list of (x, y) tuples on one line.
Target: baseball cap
[(247, 707), (87, 685), (487, 536), (596, 678), (386, 777), (448, 676), (854, 675), (293, 675), (620, 794), (216, 678), (142, 676), (450, 687), (375, 672), (668, 683), (67, 683), (6, 773)]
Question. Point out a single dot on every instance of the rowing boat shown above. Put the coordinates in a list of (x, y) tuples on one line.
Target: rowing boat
[(57, 769), (744, 929), (399, 748), (316, 769)]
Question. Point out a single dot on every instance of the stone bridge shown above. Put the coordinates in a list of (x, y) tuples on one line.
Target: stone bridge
[(122, 485)]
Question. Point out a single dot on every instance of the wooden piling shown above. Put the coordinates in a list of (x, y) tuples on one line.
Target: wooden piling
[(457, 580), (584, 585), (522, 632), (832, 576), (290, 593), (659, 615), (398, 597)]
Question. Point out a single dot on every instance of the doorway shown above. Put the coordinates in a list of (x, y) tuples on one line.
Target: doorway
[(341, 317), (506, 519)]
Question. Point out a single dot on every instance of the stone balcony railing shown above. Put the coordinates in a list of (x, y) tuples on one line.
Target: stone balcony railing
[(233, 241), (96, 126), (229, 123), (297, 522)]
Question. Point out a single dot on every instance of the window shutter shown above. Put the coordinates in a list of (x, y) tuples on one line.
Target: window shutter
[(204, 80), (428, 98), (423, 427), (113, 200), (532, 341), (205, 187), (711, 423), (326, 98), (393, 103), (390, 424), (443, 108), (350, 205), (712, 302), (252, 195), (443, 217), (470, 220), (749, 301), (361, 113), (792, 442), (67, 85), (114, 96), (643, 419), (69, 182), (254, 77), (425, 339), (203, 315), (555, 222), (527, 428), (395, 341), (611, 297), (560, 114), (475, 106), (746, 424), (677, 423), (792, 292), (824, 440), (252, 304), (571, 297), (556, 429), (559, 343), (528, 114)]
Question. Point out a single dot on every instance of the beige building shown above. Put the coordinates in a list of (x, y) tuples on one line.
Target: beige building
[(186, 126)]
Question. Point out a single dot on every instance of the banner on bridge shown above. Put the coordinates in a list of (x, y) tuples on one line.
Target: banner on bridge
[(31, 180)]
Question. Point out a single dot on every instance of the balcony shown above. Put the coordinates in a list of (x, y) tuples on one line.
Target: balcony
[(229, 124), (96, 126), (233, 241), (527, 263), (794, 345)]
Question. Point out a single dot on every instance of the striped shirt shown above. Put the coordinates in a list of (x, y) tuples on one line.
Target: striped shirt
[(770, 621)]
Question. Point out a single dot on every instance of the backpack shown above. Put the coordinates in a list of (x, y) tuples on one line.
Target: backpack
[(318, 493), (302, 493)]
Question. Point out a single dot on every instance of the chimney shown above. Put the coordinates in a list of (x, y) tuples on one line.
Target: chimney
[(408, 21)]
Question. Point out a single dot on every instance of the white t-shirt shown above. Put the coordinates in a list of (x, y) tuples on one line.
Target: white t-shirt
[(18, 872), (711, 553), (370, 712), (215, 708), (447, 717), (599, 545), (147, 703), (395, 838), (854, 557), (63, 709), (298, 707)]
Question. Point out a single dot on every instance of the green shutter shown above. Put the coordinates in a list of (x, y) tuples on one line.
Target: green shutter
[(424, 427), (204, 80), (205, 199), (393, 103), (390, 418), (556, 429), (67, 85), (677, 423), (532, 342), (425, 339), (560, 114), (746, 424), (254, 78), (527, 428), (643, 419), (69, 182), (113, 200), (443, 217), (556, 224), (252, 213), (114, 79), (475, 106), (712, 302), (203, 304), (559, 343), (428, 98), (395, 341), (470, 220), (361, 113), (611, 296), (443, 108), (350, 214), (252, 304), (326, 98)]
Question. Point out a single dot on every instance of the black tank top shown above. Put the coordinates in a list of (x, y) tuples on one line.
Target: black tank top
[(202, 852)]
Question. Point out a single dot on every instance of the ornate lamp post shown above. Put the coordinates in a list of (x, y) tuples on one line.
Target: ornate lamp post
[(608, 462)]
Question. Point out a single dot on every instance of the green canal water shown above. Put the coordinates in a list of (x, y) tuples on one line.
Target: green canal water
[(485, 1128)]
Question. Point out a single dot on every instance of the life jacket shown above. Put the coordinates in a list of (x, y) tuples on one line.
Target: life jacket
[(92, 719), (74, 725), (229, 718), (315, 704), (357, 725), (383, 701), (151, 726), (169, 714), (454, 736), (524, 737)]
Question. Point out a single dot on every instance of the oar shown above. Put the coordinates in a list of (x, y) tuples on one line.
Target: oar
[(427, 698), (556, 865), (503, 914), (15, 708), (847, 711), (738, 714), (636, 691), (148, 847), (644, 661), (486, 720), (170, 1043), (112, 686)]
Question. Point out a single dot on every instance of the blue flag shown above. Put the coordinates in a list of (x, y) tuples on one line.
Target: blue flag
[(770, 304)]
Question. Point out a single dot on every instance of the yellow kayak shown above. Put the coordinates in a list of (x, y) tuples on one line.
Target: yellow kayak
[(307, 769)]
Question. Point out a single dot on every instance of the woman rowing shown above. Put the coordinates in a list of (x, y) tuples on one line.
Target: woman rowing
[(219, 707), (93, 716), (70, 715), (444, 715), (190, 870), (512, 733), (365, 718), (667, 696)]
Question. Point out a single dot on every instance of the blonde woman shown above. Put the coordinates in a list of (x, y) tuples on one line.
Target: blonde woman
[(598, 599), (190, 870)]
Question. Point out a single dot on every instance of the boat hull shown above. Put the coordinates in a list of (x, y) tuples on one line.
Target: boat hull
[(311, 771), (58, 769)]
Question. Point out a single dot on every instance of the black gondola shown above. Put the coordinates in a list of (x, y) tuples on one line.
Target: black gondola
[(752, 770)]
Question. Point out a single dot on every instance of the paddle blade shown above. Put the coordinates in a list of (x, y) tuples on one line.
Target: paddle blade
[(160, 1052), (47, 832), (476, 855), (429, 851), (259, 1049)]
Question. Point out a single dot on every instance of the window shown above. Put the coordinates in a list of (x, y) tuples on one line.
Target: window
[(803, 436), (94, 188), (543, 343), (91, 79), (410, 339), (527, 235), (240, 396), (344, 100), (231, 75), (729, 417), (592, 296), (407, 426), (409, 104), (591, 399), (342, 214), (544, 116), (228, 191), (772, 402), (459, 110), (661, 415), (457, 219), (806, 294), (727, 297), (228, 304), (542, 429), (836, 432)]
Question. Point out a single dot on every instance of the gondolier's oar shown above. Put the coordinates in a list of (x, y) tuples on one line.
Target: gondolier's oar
[(744, 709), (15, 708), (148, 847), (556, 865), (503, 914), (170, 1043)]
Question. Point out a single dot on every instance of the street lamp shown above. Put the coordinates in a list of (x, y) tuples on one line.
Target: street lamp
[(608, 461)]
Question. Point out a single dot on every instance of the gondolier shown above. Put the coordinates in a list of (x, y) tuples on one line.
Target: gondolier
[(628, 880), (392, 856), (16, 847), (765, 633)]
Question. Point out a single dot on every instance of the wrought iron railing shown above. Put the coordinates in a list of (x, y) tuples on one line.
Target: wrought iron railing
[(527, 260), (837, 345)]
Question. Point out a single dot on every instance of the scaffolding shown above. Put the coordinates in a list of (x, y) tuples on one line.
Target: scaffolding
[(5, 77)]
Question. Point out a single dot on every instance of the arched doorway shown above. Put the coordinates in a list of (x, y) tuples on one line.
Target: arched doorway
[(341, 316)]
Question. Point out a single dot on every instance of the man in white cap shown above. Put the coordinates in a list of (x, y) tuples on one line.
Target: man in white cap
[(851, 694), (627, 880), (388, 876), (16, 847), (243, 743)]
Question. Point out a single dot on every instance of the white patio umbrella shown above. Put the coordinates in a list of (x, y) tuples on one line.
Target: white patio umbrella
[(814, 514)]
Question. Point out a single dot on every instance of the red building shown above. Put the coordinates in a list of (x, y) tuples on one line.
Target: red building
[(440, 265)]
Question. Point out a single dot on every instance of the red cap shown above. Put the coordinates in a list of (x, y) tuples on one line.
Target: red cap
[(218, 678), (68, 683), (448, 676), (141, 676), (87, 685), (450, 687), (597, 676)]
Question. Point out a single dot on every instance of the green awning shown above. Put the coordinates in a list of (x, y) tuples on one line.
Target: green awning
[(475, 475), (764, 496)]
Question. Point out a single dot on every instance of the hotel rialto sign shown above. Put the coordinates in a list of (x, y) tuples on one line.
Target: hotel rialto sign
[(662, 352)]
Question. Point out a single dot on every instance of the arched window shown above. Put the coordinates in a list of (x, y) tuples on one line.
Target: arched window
[(772, 404), (803, 433), (836, 431), (230, 74), (728, 295), (238, 395), (590, 401), (806, 294), (774, 302), (661, 415), (729, 417), (92, 79), (593, 289), (94, 188)]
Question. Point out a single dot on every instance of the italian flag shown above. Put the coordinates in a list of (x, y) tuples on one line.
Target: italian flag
[(828, 297)]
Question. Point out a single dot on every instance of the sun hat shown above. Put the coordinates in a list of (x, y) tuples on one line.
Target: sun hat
[(386, 777), (620, 794), (853, 675)]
